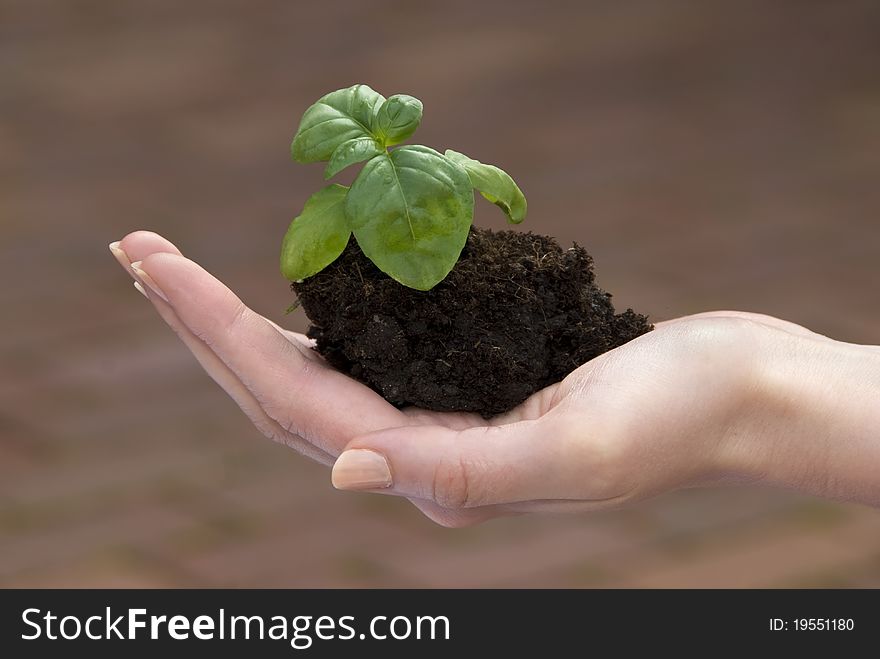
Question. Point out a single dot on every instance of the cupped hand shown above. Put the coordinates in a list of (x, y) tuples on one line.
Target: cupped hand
[(662, 412)]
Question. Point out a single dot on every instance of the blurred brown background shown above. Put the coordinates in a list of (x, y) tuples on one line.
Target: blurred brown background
[(709, 154)]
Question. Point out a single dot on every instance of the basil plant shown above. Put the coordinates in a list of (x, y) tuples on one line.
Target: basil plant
[(410, 207)]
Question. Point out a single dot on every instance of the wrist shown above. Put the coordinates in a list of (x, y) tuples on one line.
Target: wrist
[(810, 419)]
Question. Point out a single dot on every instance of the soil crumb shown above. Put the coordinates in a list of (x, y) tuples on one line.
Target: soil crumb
[(516, 314)]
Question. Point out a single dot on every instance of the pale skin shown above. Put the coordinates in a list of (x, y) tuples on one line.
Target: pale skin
[(714, 398)]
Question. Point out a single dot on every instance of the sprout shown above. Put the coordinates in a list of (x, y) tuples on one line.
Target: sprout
[(410, 208)]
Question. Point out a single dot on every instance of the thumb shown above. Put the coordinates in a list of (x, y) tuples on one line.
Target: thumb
[(462, 468)]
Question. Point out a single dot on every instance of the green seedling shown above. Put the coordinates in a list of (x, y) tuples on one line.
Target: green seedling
[(410, 207)]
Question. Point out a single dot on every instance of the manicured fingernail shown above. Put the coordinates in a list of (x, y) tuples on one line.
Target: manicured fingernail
[(119, 253), (140, 289), (147, 280), (361, 469)]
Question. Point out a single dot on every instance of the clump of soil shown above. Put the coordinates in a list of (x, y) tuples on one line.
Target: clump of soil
[(516, 314)]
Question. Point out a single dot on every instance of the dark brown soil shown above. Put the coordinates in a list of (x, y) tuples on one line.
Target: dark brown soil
[(517, 313)]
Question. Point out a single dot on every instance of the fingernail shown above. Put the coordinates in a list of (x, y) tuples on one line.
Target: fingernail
[(119, 253), (361, 469), (146, 279), (140, 289)]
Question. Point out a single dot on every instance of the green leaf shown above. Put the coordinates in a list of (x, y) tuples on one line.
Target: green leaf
[(410, 211), (317, 236), (494, 184), (336, 118), (351, 152), (398, 118)]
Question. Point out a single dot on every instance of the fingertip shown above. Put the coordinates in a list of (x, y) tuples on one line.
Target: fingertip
[(138, 245), (119, 254)]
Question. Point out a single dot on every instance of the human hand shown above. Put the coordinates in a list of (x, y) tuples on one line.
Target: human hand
[(685, 405)]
